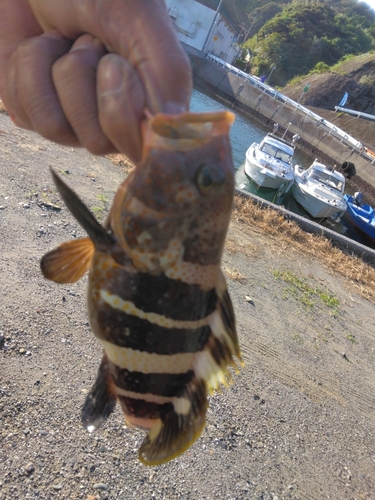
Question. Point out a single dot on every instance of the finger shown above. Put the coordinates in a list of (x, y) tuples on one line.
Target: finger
[(121, 101), (17, 22), (35, 87), (74, 76), (11, 97), (141, 32), (163, 66)]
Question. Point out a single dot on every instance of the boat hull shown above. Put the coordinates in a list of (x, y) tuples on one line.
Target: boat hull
[(319, 190), (363, 218), (318, 209)]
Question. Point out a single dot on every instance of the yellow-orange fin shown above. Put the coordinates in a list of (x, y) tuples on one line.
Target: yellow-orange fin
[(176, 432), (213, 362), (69, 261)]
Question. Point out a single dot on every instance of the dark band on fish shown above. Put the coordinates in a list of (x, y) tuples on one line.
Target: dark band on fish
[(126, 330), (144, 409), (160, 384), (163, 295)]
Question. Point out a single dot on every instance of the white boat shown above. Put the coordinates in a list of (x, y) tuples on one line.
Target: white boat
[(319, 190), (269, 164)]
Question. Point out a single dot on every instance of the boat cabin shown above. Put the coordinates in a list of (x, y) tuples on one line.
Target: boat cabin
[(277, 148), (330, 178)]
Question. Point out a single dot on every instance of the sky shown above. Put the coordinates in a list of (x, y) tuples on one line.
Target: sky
[(371, 3)]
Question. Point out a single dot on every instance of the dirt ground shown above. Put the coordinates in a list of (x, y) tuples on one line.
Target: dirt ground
[(298, 422)]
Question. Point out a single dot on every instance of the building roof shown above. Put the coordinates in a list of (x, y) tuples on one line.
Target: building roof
[(211, 4)]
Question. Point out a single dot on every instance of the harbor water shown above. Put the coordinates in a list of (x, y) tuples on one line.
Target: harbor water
[(243, 133)]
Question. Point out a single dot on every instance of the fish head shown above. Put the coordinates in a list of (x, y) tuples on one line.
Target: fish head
[(178, 201)]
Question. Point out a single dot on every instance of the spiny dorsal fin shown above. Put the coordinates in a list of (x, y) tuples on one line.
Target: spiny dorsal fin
[(69, 261), (83, 215)]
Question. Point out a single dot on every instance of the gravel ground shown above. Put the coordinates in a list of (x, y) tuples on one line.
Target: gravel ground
[(298, 422)]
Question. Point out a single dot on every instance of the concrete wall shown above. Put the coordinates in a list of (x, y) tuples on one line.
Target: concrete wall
[(221, 42), (196, 29)]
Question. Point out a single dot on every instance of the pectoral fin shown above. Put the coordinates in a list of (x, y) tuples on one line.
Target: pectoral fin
[(101, 400), (68, 262)]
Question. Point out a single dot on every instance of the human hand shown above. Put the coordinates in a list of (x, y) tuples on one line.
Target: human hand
[(58, 79)]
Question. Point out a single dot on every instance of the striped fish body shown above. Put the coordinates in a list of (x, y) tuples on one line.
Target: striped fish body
[(157, 299)]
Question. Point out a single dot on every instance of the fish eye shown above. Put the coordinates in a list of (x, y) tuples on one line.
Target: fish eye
[(205, 178), (209, 177)]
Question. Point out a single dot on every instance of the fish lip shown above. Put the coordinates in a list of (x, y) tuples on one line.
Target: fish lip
[(204, 124), (185, 131)]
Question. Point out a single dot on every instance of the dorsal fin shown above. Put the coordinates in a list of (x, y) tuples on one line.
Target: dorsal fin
[(83, 215)]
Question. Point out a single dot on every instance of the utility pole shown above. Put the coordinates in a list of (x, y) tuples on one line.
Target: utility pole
[(272, 70), (251, 25), (305, 89)]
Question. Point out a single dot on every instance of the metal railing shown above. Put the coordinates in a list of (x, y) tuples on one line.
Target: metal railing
[(318, 120)]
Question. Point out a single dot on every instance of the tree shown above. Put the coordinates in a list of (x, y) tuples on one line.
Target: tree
[(301, 36)]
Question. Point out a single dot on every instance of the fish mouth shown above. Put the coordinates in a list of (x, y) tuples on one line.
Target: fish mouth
[(184, 131)]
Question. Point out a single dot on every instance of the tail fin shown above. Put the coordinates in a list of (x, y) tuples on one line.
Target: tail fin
[(179, 428)]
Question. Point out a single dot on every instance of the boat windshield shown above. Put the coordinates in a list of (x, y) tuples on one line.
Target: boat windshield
[(328, 179), (277, 153)]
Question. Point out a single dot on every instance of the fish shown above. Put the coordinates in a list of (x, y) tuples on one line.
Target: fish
[(157, 299)]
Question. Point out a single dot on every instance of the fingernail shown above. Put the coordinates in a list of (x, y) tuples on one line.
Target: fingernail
[(174, 108), (112, 76), (56, 35), (85, 42)]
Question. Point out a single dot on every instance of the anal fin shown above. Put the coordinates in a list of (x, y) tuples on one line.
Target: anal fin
[(176, 432), (100, 401), (69, 261)]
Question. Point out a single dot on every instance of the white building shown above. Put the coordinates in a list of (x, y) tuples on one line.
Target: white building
[(202, 30)]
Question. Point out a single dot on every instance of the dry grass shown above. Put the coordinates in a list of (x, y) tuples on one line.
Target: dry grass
[(233, 246), (271, 223), (123, 161), (234, 275), (2, 107)]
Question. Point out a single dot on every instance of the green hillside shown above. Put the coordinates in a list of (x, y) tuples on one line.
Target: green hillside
[(299, 36)]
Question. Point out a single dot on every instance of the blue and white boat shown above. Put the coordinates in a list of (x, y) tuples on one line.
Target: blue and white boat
[(361, 215)]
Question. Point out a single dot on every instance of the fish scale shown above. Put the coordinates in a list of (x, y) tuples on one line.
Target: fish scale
[(157, 300)]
